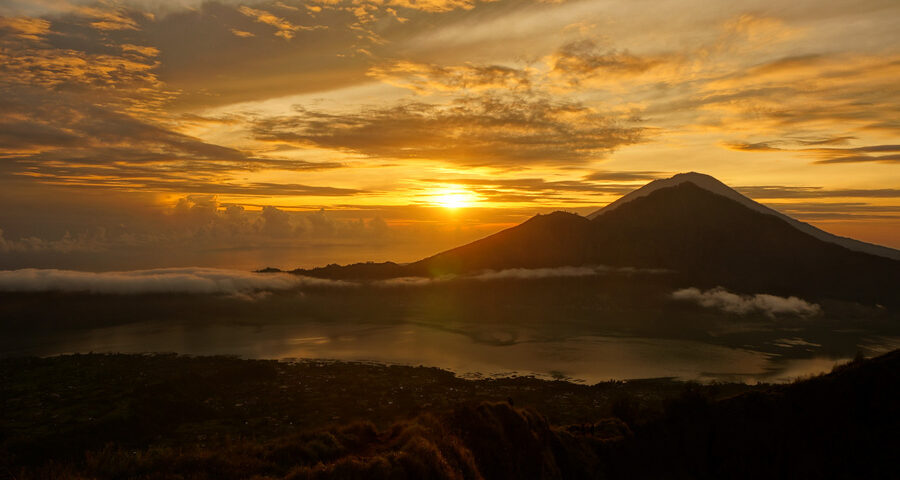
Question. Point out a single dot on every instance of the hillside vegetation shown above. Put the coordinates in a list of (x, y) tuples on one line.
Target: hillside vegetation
[(166, 416)]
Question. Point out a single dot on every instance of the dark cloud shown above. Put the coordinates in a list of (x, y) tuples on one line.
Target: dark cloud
[(840, 140), (826, 155), (505, 131), (753, 147), (837, 210), (779, 191), (625, 176), (857, 155), (583, 59), (784, 64), (861, 159)]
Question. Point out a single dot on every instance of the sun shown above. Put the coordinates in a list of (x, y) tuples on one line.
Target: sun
[(453, 198)]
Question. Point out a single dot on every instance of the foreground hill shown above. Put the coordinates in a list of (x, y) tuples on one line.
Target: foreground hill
[(203, 418)]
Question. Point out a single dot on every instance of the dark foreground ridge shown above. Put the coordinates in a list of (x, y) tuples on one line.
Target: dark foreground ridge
[(167, 417)]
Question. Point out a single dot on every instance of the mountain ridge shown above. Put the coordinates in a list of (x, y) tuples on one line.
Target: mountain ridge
[(713, 185), (705, 238)]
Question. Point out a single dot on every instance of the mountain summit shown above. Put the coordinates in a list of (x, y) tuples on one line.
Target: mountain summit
[(713, 185), (692, 225)]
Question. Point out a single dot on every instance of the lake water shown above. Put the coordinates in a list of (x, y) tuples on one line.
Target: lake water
[(590, 359)]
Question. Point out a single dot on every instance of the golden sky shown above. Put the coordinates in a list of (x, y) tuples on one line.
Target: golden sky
[(142, 133)]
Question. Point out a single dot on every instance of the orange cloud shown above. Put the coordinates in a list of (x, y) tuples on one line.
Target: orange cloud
[(498, 131), (113, 19), (424, 77), (241, 33), (285, 29), (434, 5), (25, 27)]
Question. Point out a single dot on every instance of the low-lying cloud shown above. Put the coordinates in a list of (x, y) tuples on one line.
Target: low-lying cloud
[(518, 274), (771, 305), (164, 280)]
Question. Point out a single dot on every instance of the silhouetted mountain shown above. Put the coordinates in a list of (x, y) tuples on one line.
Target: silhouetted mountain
[(553, 240), (713, 185), (357, 271), (706, 238)]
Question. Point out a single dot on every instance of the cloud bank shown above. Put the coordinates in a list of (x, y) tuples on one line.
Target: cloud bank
[(163, 280), (771, 305), (199, 280)]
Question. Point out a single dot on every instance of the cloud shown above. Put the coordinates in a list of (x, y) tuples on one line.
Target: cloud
[(90, 241), (838, 210), (529, 189), (752, 147), (122, 75), (781, 191), (826, 155), (771, 305), (538, 273), (164, 280), (426, 77), (106, 19), (434, 5), (625, 176), (517, 274), (894, 158), (408, 282), (241, 33), (65, 139), (581, 60), (834, 95), (197, 280), (503, 131), (25, 27), (285, 29), (757, 30), (203, 216)]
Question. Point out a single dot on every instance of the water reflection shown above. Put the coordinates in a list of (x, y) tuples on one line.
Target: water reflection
[(588, 358)]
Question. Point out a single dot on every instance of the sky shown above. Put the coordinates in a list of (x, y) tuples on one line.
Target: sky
[(244, 134)]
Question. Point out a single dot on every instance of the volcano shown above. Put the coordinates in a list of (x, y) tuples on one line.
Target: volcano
[(692, 225)]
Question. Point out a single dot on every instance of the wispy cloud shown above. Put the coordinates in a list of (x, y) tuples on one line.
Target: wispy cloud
[(532, 189), (783, 191), (825, 155), (770, 305)]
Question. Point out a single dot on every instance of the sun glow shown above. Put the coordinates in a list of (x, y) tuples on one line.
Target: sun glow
[(453, 198)]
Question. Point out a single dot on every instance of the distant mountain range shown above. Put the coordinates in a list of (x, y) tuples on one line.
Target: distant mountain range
[(691, 224)]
